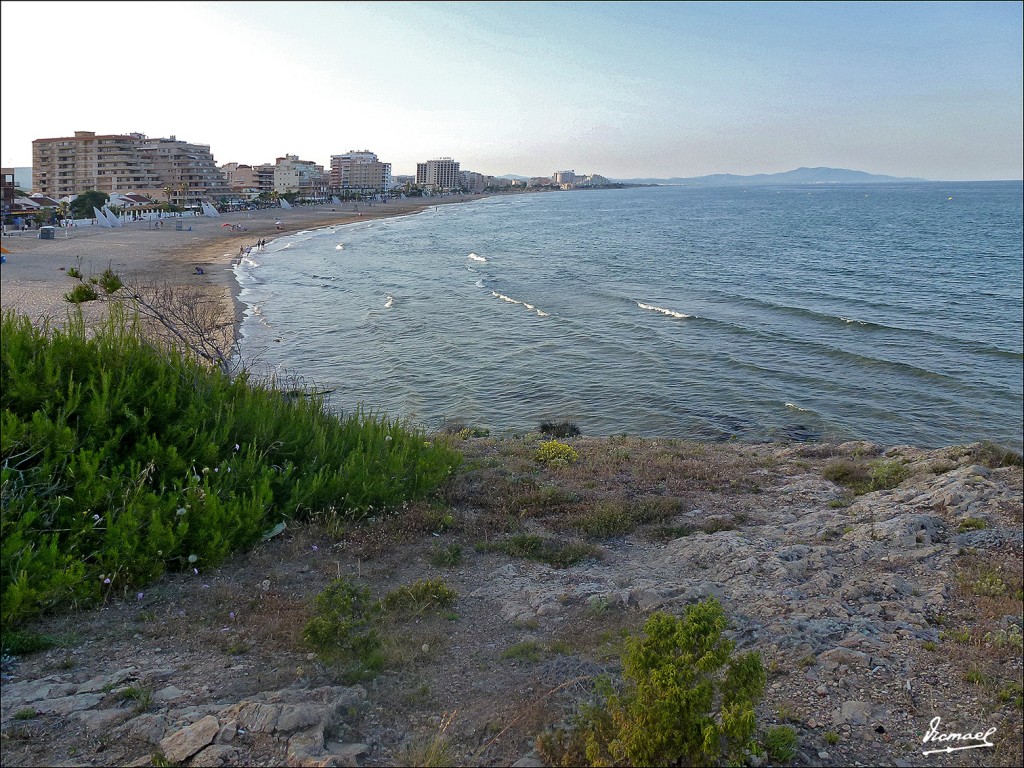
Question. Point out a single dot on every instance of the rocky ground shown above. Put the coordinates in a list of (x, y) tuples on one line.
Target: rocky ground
[(874, 614)]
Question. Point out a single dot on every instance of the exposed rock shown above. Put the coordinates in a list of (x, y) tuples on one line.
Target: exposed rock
[(182, 744)]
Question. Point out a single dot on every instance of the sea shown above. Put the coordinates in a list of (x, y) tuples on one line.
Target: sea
[(886, 312)]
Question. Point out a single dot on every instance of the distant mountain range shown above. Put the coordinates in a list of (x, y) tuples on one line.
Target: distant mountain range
[(796, 176)]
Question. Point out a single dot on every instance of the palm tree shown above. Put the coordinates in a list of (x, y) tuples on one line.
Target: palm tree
[(184, 193), (168, 191)]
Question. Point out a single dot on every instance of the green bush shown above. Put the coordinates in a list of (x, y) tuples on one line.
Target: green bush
[(686, 699), (342, 627), (81, 293), (119, 460), (780, 742)]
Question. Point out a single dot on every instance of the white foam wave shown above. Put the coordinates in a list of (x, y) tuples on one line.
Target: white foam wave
[(479, 283), (848, 320), (339, 247), (510, 300), (390, 302), (249, 262), (796, 407), (662, 310), (474, 257)]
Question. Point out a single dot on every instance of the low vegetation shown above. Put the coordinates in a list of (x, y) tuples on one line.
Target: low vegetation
[(119, 460), (685, 699), (554, 552), (864, 477)]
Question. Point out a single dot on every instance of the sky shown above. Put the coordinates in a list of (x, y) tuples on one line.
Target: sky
[(626, 90)]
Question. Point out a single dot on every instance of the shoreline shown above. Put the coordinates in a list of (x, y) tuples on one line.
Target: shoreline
[(35, 279)]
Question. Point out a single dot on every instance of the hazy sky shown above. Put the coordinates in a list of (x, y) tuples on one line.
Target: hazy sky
[(931, 90)]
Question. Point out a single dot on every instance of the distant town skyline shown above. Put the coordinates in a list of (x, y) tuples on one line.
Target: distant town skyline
[(928, 90)]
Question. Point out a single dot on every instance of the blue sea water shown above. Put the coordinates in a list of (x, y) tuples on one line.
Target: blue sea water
[(891, 313)]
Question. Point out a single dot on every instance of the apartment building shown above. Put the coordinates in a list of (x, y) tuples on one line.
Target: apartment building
[(302, 176), (163, 168), (441, 174), (359, 171), (249, 181)]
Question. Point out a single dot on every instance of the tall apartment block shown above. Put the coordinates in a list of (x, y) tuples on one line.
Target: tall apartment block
[(303, 176), (359, 171), (441, 174), (178, 171)]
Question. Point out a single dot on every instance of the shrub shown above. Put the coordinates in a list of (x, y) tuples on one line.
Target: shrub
[(554, 454), (109, 281), (863, 478), (81, 293), (685, 699), (559, 429), (972, 524), (420, 596), (780, 743), (341, 628), (446, 557), (119, 460)]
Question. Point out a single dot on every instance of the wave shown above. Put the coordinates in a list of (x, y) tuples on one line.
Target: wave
[(249, 262), (479, 283), (390, 301), (796, 407), (510, 300), (339, 247), (662, 310), (474, 257)]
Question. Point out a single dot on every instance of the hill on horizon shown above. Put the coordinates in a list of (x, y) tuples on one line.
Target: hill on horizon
[(796, 176)]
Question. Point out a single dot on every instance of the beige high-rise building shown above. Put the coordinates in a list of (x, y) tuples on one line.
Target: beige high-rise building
[(165, 169), (249, 180), (303, 176), (441, 174), (359, 171)]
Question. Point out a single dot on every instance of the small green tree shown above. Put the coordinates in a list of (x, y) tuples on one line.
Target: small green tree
[(81, 206), (686, 700)]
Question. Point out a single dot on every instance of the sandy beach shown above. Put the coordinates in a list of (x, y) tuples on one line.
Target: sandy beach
[(34, 279)]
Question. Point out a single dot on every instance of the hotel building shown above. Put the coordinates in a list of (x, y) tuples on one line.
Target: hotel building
[(441, 174), (178, 171)]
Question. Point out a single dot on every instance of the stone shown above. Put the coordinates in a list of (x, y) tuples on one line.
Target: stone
[(227, 733), (170, 693), (529, 761), (150, 676), (182, 744), (845, 656), (349, 752), (296, 716), (148, 727), (103, 719), (65, 705), (215, 756), (549, 609), (852, 713), (98, 683)]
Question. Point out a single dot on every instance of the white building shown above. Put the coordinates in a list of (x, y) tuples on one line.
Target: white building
[(441, 174)]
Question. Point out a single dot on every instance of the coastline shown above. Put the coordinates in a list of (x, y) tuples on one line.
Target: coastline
[(35, 279)]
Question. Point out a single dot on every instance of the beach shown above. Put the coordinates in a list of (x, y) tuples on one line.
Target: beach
[(35, 279)]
